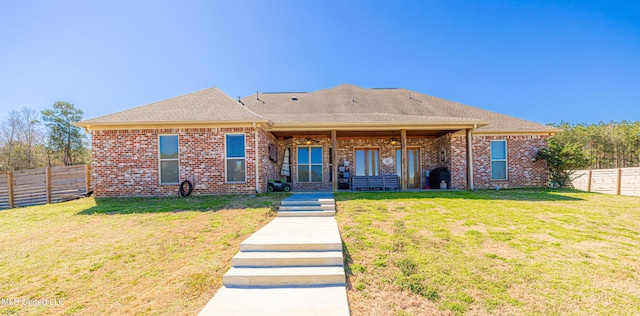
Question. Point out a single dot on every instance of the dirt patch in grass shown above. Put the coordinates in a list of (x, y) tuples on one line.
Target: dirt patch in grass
[(158, 256), (498, 250), (516, 252), (461, 227), (383, 300)]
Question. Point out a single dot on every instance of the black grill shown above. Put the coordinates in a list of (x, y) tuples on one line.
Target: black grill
[(437, 175)]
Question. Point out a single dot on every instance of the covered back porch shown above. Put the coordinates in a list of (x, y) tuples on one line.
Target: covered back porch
[(331, 159)]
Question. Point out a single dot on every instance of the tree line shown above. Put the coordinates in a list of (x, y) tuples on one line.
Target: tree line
[(594, 146), (31, 139), (604, 145)]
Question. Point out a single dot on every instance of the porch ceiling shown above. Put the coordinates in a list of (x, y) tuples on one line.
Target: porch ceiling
[(361, 133)]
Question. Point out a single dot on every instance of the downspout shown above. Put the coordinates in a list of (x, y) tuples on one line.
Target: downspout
[(255, 140)]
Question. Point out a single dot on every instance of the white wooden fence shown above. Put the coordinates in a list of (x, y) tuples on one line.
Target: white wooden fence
[(623, 181), (43, 185)]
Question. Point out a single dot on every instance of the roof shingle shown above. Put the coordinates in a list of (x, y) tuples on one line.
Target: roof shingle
[(339, 106), (205, 106), (351, 103)]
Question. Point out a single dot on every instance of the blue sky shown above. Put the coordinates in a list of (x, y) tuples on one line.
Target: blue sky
[(544, 61)]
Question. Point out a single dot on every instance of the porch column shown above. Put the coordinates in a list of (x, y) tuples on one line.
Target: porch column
[(405, 166), (469, 160), (334, 158)]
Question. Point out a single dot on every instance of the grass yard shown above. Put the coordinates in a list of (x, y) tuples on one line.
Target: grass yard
[(508, 252), (157, 256)]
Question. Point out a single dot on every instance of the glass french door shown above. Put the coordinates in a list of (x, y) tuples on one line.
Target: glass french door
[(367, 162), (413, 160)]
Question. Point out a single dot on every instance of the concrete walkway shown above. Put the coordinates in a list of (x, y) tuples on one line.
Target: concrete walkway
[(292, 266)]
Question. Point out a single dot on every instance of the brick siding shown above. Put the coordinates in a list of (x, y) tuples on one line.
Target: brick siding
[(125, 162), (522, 171), (268, 169)]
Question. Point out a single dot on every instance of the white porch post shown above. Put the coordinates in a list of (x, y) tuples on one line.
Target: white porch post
[(469, 159)]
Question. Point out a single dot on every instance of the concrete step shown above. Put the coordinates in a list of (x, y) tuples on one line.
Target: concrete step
[(291, 246), (307, 207), (284, 276), (306, 213), (295, 234), (309, 202), (287, 258)]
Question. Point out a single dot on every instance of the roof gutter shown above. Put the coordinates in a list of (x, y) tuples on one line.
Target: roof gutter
[(88, 125), (377, 126), (516, 132)]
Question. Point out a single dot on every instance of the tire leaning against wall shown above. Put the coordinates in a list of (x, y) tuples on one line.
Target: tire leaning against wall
[(187, 192)]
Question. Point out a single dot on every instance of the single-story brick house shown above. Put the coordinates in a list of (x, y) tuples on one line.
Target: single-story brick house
[(224, 145)]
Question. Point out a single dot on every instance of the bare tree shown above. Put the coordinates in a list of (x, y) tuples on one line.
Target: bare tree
[(31, 134), (21, 138), (9, 134)]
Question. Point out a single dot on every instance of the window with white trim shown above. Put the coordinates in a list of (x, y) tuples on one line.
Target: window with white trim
[(309, 164), (498, 160), (235, 158), (169, 159)]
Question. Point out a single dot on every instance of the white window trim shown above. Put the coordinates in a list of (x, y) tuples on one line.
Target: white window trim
[(506, 159), (244, 136), (310, 164), (160, 160)]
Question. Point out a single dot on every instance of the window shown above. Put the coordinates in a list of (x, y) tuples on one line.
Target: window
[(309, 164), (499, 160), (235, 160), (413, 162), (169, 160), (399, 163), (367, 162)]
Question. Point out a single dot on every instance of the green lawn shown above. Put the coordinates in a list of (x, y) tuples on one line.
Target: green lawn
[(158, 256), (537, 252), (507, 252)]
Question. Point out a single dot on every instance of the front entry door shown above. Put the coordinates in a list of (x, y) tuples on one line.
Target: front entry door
[(367, 162), (413, 160)]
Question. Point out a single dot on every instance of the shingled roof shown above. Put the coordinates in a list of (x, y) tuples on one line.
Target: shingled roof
[(209, 106), (351, 104), (342, 106)]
